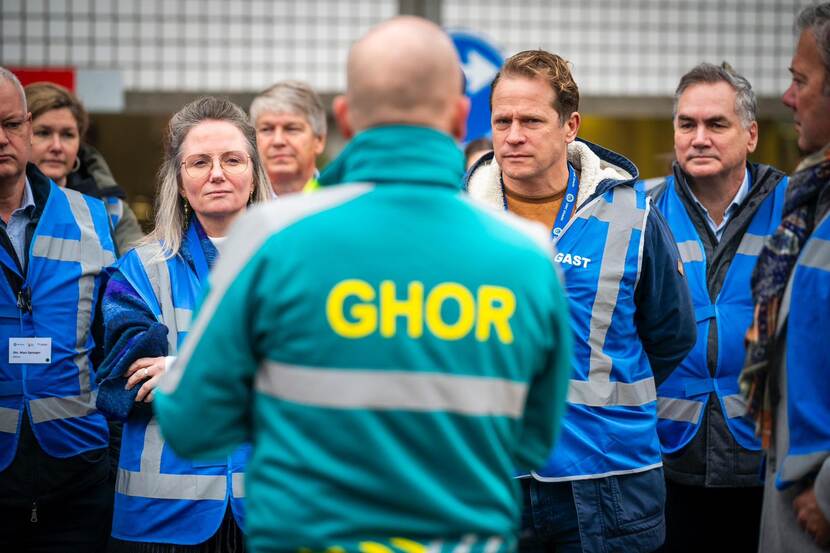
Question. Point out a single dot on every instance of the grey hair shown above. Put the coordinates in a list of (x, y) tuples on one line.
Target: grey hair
[(746, 105), (170, 222), (6, 75), (293, 97), (816, 18)]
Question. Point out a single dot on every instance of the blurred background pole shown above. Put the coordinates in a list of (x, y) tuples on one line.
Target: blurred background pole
[(429, 9)]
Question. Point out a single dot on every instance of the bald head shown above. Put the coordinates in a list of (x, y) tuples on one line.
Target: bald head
[(405, 70)]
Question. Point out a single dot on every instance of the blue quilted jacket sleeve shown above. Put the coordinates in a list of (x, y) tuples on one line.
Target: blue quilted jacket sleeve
[(131, 332)]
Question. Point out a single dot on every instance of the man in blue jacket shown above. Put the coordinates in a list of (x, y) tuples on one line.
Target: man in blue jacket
[(602, 488), (54, 243), (720, 209)]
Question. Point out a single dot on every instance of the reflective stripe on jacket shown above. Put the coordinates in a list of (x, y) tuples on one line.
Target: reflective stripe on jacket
[(58, 298)]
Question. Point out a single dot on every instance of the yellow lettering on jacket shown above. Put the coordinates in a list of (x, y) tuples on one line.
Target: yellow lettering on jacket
[(354, 309), (495, 307), (365, 315)]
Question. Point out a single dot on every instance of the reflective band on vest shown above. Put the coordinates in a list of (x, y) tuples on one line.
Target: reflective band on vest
[(115, 209), (690, 251), (88, 252), (751, 244), (238, 484), (682, 410), (623, 217), (171, 486), (55, 408), (183, 317), (9, 419), (402, 390), (735, 405), (816, 254), (159, 275), (150, 482)]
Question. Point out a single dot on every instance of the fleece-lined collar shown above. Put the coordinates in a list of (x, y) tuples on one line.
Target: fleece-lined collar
[(598, 170)]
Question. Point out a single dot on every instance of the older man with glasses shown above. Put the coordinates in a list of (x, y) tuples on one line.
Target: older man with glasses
[(54, 244)]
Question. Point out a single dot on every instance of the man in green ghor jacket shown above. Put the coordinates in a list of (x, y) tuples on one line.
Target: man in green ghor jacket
[(393, 351)]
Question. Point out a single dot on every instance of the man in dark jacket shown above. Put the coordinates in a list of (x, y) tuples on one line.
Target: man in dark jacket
[(720, 209)]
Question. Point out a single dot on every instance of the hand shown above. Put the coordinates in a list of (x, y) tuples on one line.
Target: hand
[(810, 517), (147, 370)]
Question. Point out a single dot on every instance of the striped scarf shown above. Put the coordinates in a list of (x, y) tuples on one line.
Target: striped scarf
[(769, 280)]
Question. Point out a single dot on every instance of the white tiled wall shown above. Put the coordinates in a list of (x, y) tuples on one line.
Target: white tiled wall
[(642, 47), (618, 47)]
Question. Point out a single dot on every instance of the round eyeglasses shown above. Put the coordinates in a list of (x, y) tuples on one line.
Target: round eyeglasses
[(198, 166)]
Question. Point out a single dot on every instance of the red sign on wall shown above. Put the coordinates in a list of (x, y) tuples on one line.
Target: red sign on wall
[(64, 76)]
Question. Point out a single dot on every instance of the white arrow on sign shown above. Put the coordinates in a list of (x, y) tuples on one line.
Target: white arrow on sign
[(479, 72)]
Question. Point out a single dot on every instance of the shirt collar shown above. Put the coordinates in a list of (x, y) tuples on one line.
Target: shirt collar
[(740, 196), (27, 203), (733, 206)]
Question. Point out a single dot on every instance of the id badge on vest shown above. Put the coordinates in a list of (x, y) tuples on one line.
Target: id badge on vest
[(30, 350)]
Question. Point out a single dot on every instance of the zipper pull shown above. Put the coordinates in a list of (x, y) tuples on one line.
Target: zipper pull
[(33, 518), (24, 300)]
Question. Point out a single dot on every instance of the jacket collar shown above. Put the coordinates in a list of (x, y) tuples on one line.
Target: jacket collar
[(598, 170), (397, 154), (814, 159), (41, 187)]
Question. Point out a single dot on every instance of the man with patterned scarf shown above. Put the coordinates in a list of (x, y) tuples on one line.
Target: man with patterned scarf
[(788, 344)]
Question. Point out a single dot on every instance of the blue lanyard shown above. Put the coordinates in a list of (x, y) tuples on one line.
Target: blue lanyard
[(196, 252), (566, 209)]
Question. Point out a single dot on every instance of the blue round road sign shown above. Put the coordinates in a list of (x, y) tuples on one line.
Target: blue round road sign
[(480, 61)]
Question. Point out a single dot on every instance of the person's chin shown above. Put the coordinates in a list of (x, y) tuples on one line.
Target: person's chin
[(9, 166), (702, 167), (220, 209), (54, 175)]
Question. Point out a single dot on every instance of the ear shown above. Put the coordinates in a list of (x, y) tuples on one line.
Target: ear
[(319, 144), (572, 127), (340, 107), (461, 110), (753, 137)]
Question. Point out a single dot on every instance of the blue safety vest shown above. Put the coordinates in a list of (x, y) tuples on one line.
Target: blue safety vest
[(683, 396), (161, 497), (70, 246), (805, 310), (609, 427)]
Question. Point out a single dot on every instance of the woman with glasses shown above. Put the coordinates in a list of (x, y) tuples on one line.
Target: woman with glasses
[(59, 123), (210, 174)]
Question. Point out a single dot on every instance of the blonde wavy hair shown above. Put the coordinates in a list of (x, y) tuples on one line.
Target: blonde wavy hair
[(170, 222)]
